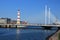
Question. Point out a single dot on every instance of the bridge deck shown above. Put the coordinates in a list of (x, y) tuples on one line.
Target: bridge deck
[(34, 25)]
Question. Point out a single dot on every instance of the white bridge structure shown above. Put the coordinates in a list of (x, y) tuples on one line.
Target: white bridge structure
[(47, 22)]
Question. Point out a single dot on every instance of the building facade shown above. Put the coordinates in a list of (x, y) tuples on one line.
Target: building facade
[(5, 20)]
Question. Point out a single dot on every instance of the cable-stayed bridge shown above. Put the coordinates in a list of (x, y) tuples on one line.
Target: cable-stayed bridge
[(47, 21)]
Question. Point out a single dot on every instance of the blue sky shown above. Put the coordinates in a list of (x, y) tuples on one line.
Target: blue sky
[(31, 10)]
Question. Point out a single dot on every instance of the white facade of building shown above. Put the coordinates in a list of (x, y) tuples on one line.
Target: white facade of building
[(4, 20)]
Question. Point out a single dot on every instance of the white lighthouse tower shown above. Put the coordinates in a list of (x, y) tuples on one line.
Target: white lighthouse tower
[(18, 20), (18, 17)]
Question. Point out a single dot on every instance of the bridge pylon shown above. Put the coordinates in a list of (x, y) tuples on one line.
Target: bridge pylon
[(47, 15)]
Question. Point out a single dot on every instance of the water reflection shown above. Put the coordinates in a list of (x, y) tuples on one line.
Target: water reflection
[(24, 34), (7, 29), (17, 34), (32, 34), (18, 31)]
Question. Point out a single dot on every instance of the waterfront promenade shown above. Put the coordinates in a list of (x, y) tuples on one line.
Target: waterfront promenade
[(26, 26)]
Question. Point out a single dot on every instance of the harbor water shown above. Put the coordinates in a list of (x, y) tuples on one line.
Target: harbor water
[(24, 34)]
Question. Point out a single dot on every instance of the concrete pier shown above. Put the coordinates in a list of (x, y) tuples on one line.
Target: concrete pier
[(29, 26)]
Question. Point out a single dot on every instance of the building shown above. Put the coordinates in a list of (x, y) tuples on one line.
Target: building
[(23, 22), (13, 21), (10, 21), (5, 20)]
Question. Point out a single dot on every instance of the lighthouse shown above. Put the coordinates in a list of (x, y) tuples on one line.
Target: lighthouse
[(18, 17)]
